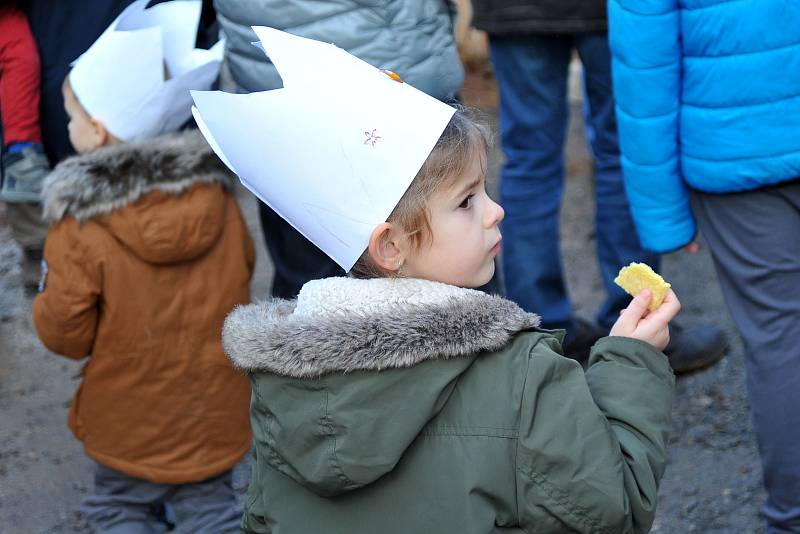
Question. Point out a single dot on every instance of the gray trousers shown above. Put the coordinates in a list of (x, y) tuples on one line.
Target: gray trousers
[(29, 231), (27, 227), (754, 238), (126, 505)]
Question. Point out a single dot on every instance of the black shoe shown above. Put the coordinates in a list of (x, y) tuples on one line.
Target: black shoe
[(580, 339), (31, 271), (692, 349)]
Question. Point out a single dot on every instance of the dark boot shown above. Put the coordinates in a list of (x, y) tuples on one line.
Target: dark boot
[(31, 271), (691, 349)]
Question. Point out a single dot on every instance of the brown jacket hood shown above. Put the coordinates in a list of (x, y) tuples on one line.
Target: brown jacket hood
[(142, 193), (147, 255)]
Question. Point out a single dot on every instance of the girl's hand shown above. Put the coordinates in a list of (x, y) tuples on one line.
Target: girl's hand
[(653, 327)]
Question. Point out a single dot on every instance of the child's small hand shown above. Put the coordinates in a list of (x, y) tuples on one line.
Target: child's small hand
[(653, 327)]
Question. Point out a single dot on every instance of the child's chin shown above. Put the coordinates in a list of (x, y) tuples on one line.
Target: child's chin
[(483, 278), (473, 281)]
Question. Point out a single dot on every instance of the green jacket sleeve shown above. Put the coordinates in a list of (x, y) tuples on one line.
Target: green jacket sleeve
[(65, 312), (591, 448)]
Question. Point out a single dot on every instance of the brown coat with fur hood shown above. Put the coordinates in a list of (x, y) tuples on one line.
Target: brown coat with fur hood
[(147, 255)]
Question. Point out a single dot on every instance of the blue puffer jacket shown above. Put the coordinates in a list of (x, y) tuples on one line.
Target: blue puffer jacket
[(414, 38), (708, 97)]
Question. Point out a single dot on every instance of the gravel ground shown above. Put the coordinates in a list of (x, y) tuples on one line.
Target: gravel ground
[(712, 483)]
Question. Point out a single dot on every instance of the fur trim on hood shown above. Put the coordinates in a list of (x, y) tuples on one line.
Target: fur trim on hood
[(341, 325), (106, 179)]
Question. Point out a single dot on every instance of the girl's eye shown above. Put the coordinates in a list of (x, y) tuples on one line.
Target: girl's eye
[(467, 202)]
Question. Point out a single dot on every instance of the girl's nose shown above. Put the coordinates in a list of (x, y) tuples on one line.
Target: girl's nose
[(496, 213)]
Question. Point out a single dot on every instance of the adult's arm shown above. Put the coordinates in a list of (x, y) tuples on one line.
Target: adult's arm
[(645, 41)]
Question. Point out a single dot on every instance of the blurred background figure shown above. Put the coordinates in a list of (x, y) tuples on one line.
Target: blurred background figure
[(413, 38), (531, 44), (709, 107), (24, 164), (38, 41)]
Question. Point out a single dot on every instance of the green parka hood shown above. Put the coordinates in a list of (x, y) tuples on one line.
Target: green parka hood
[(337, 327)]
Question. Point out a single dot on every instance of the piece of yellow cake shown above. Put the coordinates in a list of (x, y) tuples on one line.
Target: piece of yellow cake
[(637, 277)]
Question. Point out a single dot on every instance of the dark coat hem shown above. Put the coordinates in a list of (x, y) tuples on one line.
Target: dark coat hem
[(541, 26)]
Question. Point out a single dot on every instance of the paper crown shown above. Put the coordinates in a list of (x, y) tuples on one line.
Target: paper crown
[(334, 150), (136, 77)]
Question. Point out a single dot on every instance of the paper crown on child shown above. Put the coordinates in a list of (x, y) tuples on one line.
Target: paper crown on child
[(136, 77), (334, 150)]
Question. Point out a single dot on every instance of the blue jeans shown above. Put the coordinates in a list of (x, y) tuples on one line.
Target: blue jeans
[(531, 73), (122, 504)]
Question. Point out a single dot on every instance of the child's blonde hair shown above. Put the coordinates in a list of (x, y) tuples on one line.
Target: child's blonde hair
[(449, 159)]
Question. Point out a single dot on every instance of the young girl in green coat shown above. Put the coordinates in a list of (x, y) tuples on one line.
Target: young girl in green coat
[(400, 400)]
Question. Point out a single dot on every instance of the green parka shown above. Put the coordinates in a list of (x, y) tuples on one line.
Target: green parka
[(407, 406)]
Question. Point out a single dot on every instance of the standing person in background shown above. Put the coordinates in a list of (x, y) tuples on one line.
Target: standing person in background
[(531, 44), (413, 38), (708, 105), (33, 117), (24, 165)]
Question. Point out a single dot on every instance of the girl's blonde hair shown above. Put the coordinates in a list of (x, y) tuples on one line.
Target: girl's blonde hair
[(448, 160)]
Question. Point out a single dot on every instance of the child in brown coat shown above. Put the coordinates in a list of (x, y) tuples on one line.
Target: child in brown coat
[(147, 254)]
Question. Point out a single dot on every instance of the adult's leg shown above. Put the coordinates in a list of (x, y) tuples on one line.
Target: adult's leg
[(123, 504), (531, 74), (297, 260), (29, 231), (754, 238), (27, 226), (617, 242), (207, 507)]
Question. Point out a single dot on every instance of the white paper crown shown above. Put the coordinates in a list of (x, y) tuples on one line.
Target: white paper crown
[(334, 150), (120, 79)]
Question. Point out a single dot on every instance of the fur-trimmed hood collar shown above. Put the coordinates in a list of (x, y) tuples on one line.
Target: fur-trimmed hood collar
[(109, 178), (340, 325), (347, 376)]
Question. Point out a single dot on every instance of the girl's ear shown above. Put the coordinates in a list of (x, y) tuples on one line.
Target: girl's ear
[(100, 135), (385, 247)]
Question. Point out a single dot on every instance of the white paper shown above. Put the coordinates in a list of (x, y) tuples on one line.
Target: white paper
[(120, 79), (334, 150), (179, 21)]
